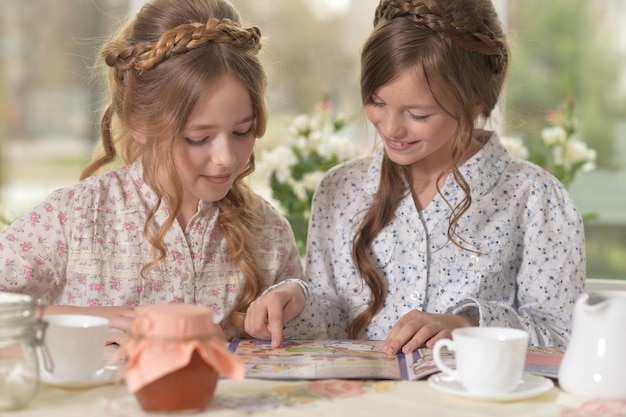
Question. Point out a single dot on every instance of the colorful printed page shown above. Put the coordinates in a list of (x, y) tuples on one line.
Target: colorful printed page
[(325, 359), (544, 361)]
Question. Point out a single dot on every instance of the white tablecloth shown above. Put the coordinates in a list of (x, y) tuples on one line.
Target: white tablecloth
[(318, 398)]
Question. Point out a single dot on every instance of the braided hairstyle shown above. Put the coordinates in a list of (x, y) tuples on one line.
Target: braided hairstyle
[(158, 66), (460, 48)]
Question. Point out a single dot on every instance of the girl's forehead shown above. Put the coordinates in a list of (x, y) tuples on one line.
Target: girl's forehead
[(225, 102), (407, 86)]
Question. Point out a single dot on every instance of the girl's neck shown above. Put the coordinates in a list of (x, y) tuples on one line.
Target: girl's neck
[(188, 210), (425, 181)]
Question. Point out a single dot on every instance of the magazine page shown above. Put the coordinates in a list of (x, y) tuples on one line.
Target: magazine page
[(325, 359), (544, 361), (359, 359)]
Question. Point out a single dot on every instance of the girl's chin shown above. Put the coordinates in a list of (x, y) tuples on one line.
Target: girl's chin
[(402, 158)]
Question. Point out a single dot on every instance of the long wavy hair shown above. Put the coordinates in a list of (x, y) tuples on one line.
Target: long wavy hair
[(460, 48), (157, 67)]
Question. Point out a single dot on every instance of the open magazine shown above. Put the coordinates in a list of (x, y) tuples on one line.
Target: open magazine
[(357, 359)]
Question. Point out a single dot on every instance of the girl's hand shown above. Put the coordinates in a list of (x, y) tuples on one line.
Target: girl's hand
[(267, 315), (417, 328)]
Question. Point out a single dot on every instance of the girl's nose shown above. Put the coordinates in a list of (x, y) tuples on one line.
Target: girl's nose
[(222, 152), (391, 126)]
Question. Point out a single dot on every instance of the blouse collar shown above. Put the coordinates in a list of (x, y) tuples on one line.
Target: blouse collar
[(481, 171)]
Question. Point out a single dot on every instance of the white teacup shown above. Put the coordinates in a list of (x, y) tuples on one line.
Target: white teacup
[(489, 360), (75, 344)]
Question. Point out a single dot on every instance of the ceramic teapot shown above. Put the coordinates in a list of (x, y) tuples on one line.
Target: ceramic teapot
[(594, 364)]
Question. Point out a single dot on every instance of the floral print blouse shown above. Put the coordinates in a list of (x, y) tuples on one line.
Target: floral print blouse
[(525, 270), (85, 246)]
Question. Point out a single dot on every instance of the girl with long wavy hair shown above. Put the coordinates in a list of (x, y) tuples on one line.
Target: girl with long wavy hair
[(176, 222), (440, 228)]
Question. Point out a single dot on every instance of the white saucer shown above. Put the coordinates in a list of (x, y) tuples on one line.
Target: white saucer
[(530, 386), (107, 375)]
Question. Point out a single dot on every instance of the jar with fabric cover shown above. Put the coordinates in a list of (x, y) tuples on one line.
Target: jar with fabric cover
[(174, 358), (21, 334)]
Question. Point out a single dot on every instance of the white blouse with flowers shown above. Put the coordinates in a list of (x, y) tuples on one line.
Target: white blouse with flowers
[(525, 270), (85, 246)]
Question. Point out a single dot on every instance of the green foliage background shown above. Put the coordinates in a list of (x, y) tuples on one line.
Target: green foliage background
[(563, 47), (564, 50)]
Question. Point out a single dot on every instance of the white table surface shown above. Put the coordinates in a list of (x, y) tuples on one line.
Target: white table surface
[(317, 398)]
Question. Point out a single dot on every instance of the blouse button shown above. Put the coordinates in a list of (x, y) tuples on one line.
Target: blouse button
[(185, 276), (415, 295), (474, 259)]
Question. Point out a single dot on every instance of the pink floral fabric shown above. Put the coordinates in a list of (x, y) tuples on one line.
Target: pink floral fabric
[(302, 396), (597, 408), (85, 246), (337, 388)]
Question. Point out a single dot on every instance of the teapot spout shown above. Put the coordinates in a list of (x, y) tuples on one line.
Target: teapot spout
[(591, 302), (597, 302)]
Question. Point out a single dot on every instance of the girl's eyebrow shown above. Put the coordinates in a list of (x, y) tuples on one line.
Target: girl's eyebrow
[(201, 126), (416, 106)]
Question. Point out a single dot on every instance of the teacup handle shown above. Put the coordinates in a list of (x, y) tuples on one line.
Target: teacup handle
[(440, 344)]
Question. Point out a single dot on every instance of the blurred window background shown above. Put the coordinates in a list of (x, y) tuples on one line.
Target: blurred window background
[(50, 98)]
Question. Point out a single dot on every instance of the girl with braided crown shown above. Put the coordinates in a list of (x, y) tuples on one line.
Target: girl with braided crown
[(176, 223), (440, 228)]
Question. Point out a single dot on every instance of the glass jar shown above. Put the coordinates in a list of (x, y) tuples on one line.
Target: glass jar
[(21, 333)]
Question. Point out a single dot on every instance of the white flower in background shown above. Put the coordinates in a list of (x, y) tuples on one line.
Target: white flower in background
[(262, 188), (515, 147), (279, 161), (315, 140), (341, 119), (578, 151), (301, 143), (300, 125), (294, 172), (558, 156), (563, 154), (555, 135), (298, 187), (312, 179), (338, 146)]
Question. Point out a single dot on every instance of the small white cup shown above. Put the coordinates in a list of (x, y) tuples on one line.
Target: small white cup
[(489, 360), (75, 344)]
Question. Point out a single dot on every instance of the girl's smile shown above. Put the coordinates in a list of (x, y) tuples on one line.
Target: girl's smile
[(217, 179), (397, 145)]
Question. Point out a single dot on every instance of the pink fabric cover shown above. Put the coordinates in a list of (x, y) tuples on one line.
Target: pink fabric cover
[(165, 336)]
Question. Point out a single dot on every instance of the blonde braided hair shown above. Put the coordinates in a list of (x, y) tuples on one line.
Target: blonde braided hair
[(147, 55)]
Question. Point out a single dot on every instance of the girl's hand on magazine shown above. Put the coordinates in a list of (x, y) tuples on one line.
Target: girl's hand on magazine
[(267, 315), (417, 328)]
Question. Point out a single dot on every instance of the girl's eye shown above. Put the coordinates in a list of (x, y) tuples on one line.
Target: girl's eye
[(376, 103), (243, 134), (196, 142), (418, 118)]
